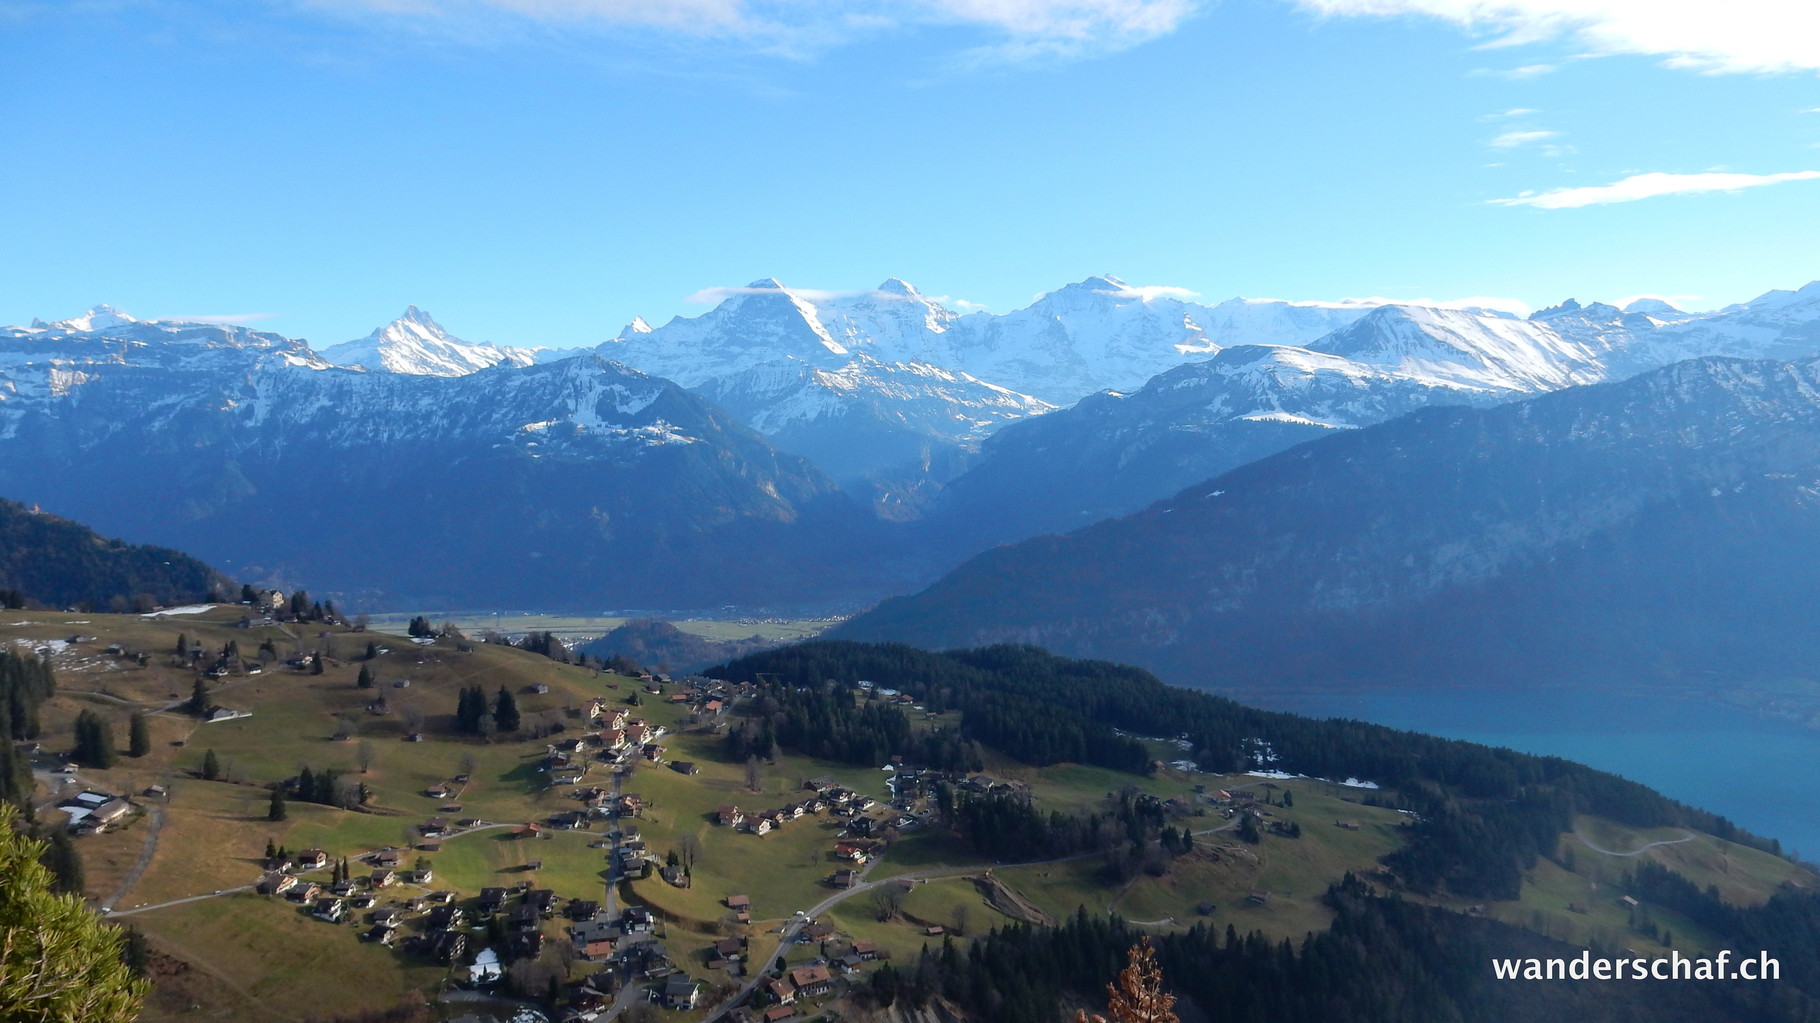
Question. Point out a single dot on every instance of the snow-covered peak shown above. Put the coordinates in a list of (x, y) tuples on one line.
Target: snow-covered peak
[(898, 287), (1808, 294), (1457, 347), (415, 343), (1652, 307), (637, 326), (100, 317)]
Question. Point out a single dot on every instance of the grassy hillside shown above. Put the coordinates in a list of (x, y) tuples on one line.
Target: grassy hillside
[(244, 956)]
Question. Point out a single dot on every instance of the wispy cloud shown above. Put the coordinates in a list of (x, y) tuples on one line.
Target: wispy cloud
[(1740, 36), (1506, 115), (1649, 186), (1146, 292), (1020, 30), (1513, 139)]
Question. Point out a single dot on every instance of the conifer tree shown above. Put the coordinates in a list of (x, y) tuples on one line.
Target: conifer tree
[(139, 738), (276, 811), (211, 766), (365, 681), (58, 961), (505, 711)]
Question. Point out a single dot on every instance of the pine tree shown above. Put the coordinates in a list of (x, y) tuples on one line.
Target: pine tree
[(64, 862), (211, 766), (199, 702), (365, 681), (505, 711), (94, 741), (58, 960), (139, 738), (183, 645), (271, 849), (276, 811), (316, 663)]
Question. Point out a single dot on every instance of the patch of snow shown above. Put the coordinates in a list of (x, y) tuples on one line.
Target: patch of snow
[(187, 609)]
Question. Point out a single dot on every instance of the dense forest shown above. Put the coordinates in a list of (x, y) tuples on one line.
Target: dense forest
[(26, 682), (58, 563), (1483, 815), (1383, 959), (825, 721)]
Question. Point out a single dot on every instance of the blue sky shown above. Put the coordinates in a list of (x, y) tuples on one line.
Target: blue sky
[(540, 171)]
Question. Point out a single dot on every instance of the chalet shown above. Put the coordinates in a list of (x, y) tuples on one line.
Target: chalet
[(491, 901), (728, 948), (866, 950), (569, 820), (111, 811), (684, 767), (304, 891), (448, 946), (810, 981), (365, 900), (613, 738), (330, 909), (390, 916), (543, 900), (383, 877), (527, 831), (934, 931), (275, 882), (639, 919), (758, 825), (783, 992), (1258, 897), (729, 816), (312, 859), (1348, 825), (844, 878), (598, 948), (522, 917), (637, 732), (1628, 902), (614, 717), (852, 851), (779, 1013), (821, 930), (713, 706), (424, 876), (675, 876), (631, 805), (680, 992), (444, 918), (439, 791), (384, 935), (738, 902), (429, 844), (388, 858), (583, 909), (434, 827), (653, 752)]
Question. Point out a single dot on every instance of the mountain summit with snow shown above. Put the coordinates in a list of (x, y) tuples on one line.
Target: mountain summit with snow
[(415, 343)]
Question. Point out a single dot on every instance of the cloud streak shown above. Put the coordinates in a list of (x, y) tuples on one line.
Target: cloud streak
[(1513, 139), (1024, 29), (1740, 36), (1649, 186)]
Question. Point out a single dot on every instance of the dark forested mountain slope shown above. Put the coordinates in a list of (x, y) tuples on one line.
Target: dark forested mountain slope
[(53, 561), (1645, 530)]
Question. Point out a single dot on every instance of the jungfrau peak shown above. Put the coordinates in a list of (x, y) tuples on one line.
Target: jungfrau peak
[(415, 343)]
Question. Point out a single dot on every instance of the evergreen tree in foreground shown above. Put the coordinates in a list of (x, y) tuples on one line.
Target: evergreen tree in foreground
[(58, 961)]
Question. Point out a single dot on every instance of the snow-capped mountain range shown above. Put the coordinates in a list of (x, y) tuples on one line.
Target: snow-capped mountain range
[(1095, 400)]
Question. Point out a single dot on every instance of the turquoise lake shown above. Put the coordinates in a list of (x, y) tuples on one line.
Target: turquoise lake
[(1762, 773)]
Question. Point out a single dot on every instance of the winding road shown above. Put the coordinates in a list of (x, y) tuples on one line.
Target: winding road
[(1686, 836)]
